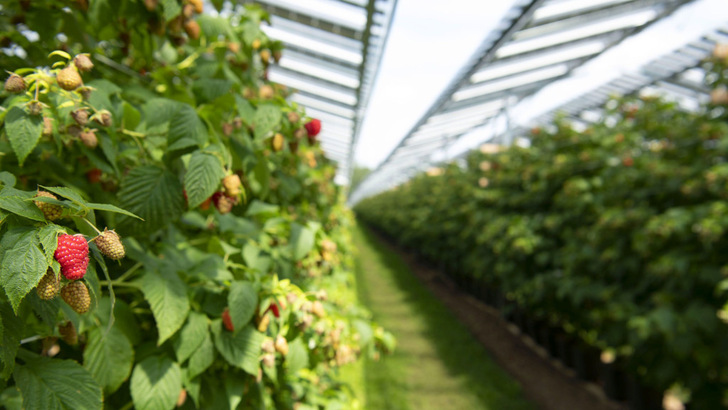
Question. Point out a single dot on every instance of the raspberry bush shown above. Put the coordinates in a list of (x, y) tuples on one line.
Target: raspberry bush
[(615, 234), (168, 234)]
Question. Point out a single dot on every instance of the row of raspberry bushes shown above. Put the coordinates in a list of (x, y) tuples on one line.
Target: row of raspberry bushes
[(616, 233), (230, 285)]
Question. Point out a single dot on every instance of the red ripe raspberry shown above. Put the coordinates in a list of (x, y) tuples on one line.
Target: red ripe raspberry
[(313, 127), (72, 254), (227, 321), (274, 308)]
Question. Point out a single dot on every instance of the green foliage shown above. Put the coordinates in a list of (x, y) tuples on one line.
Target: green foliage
[(148, 146), (616, 233)]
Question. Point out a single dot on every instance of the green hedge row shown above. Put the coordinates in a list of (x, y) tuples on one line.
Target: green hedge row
[(615, 233)]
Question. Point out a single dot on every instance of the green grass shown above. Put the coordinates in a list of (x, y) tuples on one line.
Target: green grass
[(438, 364)]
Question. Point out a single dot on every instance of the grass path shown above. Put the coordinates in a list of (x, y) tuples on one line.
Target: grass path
[(438, 364)]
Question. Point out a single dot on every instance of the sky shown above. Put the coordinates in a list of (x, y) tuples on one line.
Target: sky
[(427, 46), (428, 43)]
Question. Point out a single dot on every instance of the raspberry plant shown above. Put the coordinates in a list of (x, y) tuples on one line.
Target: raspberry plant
[(616, 234), (144, 154)]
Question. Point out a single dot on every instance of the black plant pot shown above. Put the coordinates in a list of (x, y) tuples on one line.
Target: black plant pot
[(531, 328), (585, 359), (640, 397), (612, 380), (565, 349)]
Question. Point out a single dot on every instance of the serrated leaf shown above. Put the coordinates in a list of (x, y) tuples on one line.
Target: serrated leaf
[(131, 117), (100, 97), (214, 27), (266, 118), (240, 349), (171, 9), (69, 193), (22, 267), (234, 388), (158, 111), (245, 110), (23, 131), (242, 301), (185, 129), (203, 177), (297, 357), (13, 327), (302, 241), (108, 357), (112, 208), (48, 238), (51, 384), (20, 203), (208, 89), (191, 336), (202, 358), (167, 296), (7, 179), (156, 383), (155, 195)]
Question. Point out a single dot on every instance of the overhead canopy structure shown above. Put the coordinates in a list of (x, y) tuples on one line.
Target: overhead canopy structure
[(333, 51), (677, 76), (536, 43)]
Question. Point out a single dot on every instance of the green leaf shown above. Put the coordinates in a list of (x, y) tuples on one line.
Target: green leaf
[(202, 178), (185, 129), (240, 349), (11, 399), (260, 183), (242, 301), (261, 208), (156, 383), (159, 111), (234, 388), (100, 97), (111, 208), (297, 357), (51, 384), (69, 193), (7, 179), (109, 357), (23, 131), (267, 117), (202, 358), (167, 296), (131, 117), (12, 327), (302, 241), (191, 337), (245, 110), (20, 203), (22, 267), (171, 9), (48, 238), (155, 195), (208, 89)]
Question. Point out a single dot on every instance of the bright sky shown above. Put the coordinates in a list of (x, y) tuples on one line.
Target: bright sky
[(427, 47), (428, 43)]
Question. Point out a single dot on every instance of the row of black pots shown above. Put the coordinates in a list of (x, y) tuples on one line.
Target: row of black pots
[(584, 359)]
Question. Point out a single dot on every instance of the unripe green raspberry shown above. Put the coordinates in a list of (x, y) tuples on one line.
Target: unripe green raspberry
[(77, 296), (48, 286), (50, 211)]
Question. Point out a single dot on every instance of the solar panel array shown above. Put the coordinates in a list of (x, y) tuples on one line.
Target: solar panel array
[(332, 53), (536, 43)]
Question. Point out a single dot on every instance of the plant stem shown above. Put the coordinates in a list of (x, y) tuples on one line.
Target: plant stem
[(92, 225), (128, 273)]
